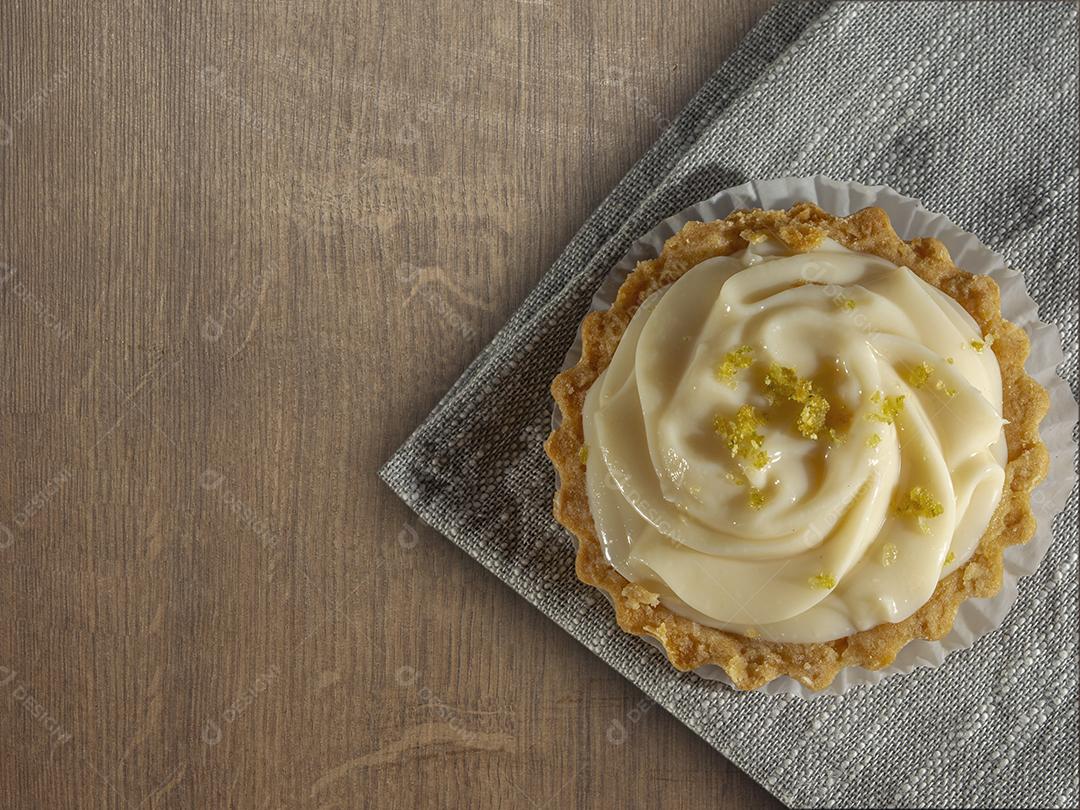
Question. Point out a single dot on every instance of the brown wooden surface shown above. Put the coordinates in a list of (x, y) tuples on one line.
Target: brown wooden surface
[(244, 248)]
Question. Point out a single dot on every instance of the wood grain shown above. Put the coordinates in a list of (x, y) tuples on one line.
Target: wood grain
[(244, 248)]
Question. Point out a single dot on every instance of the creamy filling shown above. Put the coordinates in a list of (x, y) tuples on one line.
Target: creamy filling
[(833, 505)]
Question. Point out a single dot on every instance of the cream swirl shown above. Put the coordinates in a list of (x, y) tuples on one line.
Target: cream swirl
[(751, 459)]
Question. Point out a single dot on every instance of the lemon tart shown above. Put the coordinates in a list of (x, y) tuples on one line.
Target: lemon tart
[(796, 442)]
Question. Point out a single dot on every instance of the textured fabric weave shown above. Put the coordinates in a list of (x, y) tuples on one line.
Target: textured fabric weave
[(970, 107)]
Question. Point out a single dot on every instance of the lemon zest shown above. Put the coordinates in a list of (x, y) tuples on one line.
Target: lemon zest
[(918, 375), (741, 435), (891, 407), (786, 382), (812, 416), (732, 363), (947, 390), (921, 505)]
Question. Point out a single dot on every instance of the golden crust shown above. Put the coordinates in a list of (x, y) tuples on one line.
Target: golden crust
[(752, 662)]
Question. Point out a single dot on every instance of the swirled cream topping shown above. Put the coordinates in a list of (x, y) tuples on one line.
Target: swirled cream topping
[(797, 446)]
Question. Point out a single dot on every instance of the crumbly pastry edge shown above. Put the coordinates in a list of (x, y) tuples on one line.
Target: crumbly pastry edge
[(752, 662)]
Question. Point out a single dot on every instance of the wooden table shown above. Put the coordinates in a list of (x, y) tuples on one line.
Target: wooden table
[(220, 230)]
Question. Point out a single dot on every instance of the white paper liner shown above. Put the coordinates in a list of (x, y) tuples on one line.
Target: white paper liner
[(976, 617)]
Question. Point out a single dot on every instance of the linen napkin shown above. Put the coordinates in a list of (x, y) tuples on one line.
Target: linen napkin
[(970, 107)]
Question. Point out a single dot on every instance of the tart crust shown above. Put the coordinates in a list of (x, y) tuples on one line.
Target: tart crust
[(753, 662)]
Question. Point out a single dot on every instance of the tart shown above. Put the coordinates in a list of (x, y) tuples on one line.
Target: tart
[(796, 442)]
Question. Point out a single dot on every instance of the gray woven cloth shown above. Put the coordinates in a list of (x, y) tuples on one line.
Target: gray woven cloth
[(969, 107)]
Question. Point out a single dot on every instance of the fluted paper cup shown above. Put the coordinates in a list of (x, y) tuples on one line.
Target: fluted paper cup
[(976, 617)]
